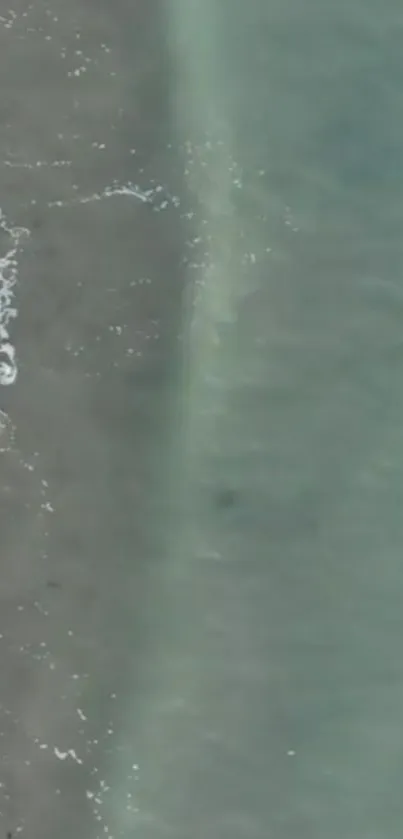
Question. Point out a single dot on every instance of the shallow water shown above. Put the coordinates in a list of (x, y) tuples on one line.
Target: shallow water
[(201, 444)]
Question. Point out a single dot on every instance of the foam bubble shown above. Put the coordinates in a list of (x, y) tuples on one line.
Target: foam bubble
[(8, 279), (8, 365)]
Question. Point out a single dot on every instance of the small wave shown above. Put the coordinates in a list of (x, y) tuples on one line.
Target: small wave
[(8, 279)]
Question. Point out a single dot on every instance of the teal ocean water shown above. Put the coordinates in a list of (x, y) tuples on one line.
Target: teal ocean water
[(201, 448)]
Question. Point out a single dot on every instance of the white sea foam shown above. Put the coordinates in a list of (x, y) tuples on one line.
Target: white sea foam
[(157, 195), (8, 279)]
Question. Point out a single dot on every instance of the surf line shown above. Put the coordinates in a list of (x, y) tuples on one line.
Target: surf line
[(8, 311)]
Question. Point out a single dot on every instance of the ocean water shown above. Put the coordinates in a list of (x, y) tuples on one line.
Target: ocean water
[(201, 445)]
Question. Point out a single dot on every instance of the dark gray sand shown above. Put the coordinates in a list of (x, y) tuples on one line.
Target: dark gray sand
[(201, 530)]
